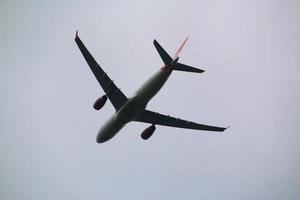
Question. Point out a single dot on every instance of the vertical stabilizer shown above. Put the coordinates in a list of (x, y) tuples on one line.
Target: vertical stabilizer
[(180, 48), (172, 62)]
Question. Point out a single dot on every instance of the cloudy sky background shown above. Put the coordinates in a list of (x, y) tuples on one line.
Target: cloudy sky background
[(250, 51)]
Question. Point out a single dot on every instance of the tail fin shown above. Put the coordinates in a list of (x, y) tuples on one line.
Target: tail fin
[(164, 55), (180, 48), (167, 59)]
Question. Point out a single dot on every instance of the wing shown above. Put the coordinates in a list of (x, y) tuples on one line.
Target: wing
[(115, 95), (156, 118)]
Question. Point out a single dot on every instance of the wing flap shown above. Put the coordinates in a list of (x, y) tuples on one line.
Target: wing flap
[(159, 119)]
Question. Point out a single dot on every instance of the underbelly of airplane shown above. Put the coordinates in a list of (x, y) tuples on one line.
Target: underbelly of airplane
[(133, 107), (127, 113)]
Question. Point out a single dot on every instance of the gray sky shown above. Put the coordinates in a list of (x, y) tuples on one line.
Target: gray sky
[(250, 51)]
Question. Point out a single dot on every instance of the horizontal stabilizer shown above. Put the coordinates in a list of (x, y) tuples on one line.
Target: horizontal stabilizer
[(186, 68), (163, 54)]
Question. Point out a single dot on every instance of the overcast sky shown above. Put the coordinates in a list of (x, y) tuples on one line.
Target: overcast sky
[(250, 51)]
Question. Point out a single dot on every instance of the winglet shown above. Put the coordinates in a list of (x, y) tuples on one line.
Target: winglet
[(76, 35), (226, 128)]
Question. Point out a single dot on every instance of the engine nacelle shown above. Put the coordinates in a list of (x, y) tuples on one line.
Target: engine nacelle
[(99, 103), (148, 132)]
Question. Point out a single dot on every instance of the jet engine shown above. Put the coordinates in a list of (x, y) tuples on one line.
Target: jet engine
[(99, 103), (148, 132)]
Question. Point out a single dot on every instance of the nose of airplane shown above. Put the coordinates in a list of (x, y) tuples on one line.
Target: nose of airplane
[(100, 139), (103, 137), (108, 130)]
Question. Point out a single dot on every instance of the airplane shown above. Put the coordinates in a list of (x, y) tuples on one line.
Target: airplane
[(134, 108)]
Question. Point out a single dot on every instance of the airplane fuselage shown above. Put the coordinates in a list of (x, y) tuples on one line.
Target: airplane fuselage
[(135, 105)]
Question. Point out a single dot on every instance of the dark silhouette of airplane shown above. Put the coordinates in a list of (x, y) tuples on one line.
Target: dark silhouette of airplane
[(134, 108)]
